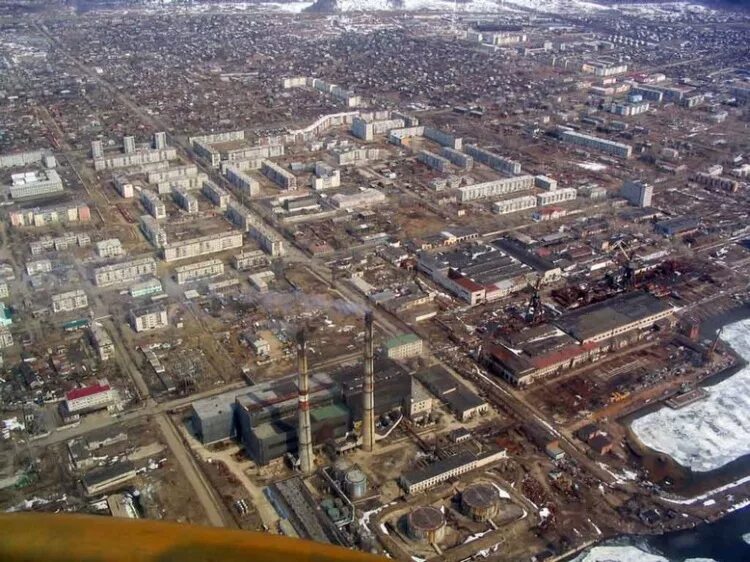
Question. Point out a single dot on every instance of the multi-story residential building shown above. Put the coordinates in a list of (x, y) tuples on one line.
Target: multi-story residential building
[(124, 187), (240, 179), (44, 216), (38, 266), (458, 158), (217, 195), (6, 338), (326, 177), (4, 292), (434, 161), (136, 158), (506, 206), (185, 199), (102, 342), (557, 196), (202, 246), (72, 300), (493, 160), (153, 204), (199, 270), (241, 216), (148, 318), (124, 272), (278, 175), (109, 248), (618, 149), (543, 182), (495, 187), (249, 260), (153, 231), (637, 192)]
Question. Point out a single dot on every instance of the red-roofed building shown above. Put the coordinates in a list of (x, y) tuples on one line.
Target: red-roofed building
[(88, 398)]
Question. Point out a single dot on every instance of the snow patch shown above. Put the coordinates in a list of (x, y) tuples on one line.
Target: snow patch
[(591, 166), (709, 434), (619, 554), (746, 538)]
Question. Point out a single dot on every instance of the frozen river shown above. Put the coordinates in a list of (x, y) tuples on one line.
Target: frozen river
[(710, 433)]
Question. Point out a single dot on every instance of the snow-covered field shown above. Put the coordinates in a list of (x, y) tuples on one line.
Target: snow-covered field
[(711, 433)]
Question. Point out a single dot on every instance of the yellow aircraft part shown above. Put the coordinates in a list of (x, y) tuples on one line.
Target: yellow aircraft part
[(42, 537)]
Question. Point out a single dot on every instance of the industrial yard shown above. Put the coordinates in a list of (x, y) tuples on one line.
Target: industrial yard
[(448, 284)]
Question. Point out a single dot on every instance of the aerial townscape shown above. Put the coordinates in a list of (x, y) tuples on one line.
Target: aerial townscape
[(434, 280)]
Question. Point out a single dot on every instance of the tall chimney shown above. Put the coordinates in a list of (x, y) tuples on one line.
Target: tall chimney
[(368, 390), (304, 433)]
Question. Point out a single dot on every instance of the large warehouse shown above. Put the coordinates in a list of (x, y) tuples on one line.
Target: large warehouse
[(575, 337)]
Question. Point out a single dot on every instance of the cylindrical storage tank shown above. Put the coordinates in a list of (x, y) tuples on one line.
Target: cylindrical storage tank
[(355, 483), (426, 523), (340, 468), (480, 501)]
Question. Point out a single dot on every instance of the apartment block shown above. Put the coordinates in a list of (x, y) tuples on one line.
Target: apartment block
[(72, 300), (618, 149), (458, 158), (202, 246), (153, 204), (35, 184), (217, 195), (136, 158), (557, 196), (243, 218), (102, 342), (186, 200), (513, 205), (109, 248), (493, 160), (248, 260), (325, 177), (278, 175), (148, 318), (199, 270), (638, 193), (495, 187), (241, 180), (124, 272), (434, 161), (153, 231)]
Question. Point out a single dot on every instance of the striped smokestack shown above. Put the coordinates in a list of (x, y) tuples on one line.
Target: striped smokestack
[(368, 390), (304, 433)]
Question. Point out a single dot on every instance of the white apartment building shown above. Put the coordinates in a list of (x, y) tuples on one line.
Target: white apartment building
[(6, 338), (199, 270), (124, 272), (513, 205), (202, 246), (495, 187), (72, 300), (109, 248), (217, 195), (557, 196), (89, 398), (153, 231), (148, 318), (186, 200)]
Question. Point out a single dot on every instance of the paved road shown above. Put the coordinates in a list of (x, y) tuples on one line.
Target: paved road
[(202, 488)]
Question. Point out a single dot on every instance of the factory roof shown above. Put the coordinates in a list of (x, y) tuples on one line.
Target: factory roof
[(277, 392), (401, 339), (436, 469), (516, 249), (589, 321)]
